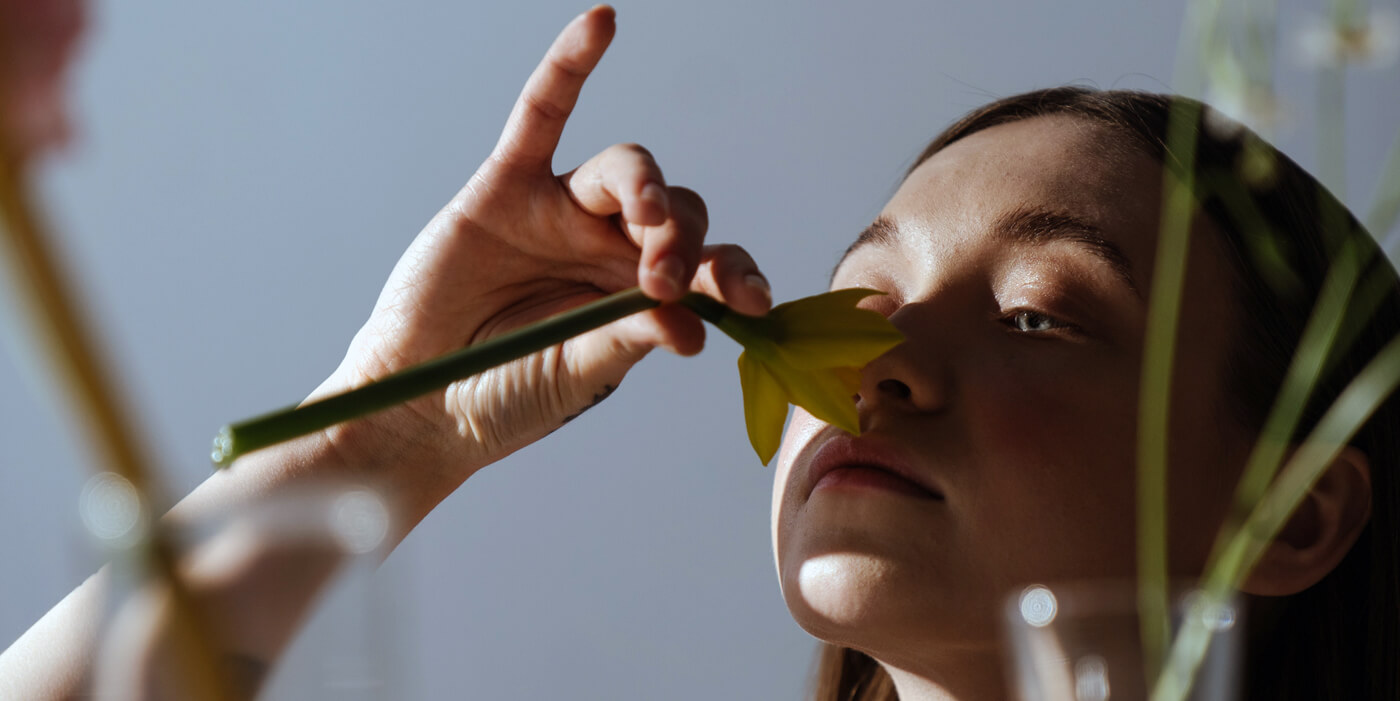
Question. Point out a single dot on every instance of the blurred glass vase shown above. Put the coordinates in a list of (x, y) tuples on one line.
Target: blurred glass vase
[(333, 628), (1083, 642)]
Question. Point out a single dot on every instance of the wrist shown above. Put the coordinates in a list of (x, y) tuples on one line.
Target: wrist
[(406, 452)]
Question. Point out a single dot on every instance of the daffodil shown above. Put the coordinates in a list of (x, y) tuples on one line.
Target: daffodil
[(808, 352)]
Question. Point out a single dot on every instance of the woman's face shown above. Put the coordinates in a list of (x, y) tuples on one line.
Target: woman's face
[(1016, 262)]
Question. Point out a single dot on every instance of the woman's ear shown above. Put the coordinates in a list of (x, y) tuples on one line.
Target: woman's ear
[(1321, 532)]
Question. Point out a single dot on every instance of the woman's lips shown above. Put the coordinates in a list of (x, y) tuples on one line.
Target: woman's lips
[(868, 477), (866, 463)]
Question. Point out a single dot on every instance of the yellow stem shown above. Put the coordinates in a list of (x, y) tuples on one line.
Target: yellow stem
[(57, 324)]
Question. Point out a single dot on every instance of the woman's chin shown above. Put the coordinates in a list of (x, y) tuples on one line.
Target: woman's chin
[(842, 596), (873, 602)]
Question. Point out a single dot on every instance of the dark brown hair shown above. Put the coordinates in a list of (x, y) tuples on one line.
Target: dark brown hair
[(1339, 639)]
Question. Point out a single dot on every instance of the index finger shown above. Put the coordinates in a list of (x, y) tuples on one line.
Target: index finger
[(537, 121)]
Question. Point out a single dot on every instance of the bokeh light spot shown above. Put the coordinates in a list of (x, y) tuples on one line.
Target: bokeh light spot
[(111, 509), (1037, 606), (359, 520)]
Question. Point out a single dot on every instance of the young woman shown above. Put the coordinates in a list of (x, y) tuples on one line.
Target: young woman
[(997, 443), (1016, 257)]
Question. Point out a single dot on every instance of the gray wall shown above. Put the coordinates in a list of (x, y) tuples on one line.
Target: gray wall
[(247, 174)]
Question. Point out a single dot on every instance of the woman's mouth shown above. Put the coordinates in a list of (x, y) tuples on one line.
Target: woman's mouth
[(846, 462), (870, 477)]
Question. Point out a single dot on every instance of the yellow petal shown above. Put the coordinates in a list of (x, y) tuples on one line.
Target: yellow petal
[(829, 330), (765, 406), (847, 298), (828, 394), (808, 352), (825, 330)]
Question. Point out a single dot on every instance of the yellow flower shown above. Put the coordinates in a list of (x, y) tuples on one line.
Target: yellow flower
[(807, 352)]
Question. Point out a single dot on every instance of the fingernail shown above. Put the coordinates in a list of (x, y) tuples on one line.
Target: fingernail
[(760, 283), (656, 195), (669, 270)]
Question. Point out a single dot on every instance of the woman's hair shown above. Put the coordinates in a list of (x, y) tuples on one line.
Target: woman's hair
[(1340, 638)]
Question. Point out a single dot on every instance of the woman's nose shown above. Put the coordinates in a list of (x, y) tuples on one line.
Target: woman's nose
[(911, 377), (894, 388)]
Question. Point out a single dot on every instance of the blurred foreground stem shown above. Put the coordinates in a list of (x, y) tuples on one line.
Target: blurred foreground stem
[(1201, 38), (1163, 315), (68, 345)]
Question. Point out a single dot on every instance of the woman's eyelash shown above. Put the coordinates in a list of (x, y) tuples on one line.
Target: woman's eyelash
[(1031, 321)]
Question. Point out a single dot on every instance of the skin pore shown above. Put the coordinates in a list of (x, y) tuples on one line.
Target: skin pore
[(1016, 262)]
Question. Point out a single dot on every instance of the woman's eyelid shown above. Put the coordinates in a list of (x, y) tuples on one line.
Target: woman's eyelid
[(1051, 296), (1045, 303), (848, 276)]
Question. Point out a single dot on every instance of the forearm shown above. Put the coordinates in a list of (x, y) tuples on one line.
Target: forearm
[(273, 549), (50, 661)]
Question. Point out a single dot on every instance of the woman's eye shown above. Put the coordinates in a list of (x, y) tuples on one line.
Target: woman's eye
[(1034, 322)]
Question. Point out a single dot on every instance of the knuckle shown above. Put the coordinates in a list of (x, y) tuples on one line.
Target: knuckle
[(691, 201), (545, 106), (729, 255), (636, 152), (566, 64), (632, 147)]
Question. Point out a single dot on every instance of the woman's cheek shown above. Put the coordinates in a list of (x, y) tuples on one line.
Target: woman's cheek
[(801, 429), (1057, 460)]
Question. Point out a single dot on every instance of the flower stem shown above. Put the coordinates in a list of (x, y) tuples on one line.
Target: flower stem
[(706, 307), (237, 439), (1163, 315)]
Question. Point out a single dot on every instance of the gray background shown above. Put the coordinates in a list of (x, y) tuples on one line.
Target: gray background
[(247, 174)]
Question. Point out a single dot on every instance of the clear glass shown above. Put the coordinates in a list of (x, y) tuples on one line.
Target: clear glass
[(1082, 642), (322, 544)]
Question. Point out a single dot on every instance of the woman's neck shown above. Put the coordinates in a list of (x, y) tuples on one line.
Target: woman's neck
[(973, 675)]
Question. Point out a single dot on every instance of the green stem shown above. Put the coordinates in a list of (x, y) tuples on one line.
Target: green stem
[(1154, 399), (706, 307), (1200, 38), (237, 439), (1224, 566), (1303, 373), (1377, 381), (1334, 432)]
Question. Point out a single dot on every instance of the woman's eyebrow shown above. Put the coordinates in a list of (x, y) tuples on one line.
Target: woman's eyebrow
[(882, 231), (1041, 226)]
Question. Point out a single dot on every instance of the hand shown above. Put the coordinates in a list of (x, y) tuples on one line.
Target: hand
[(518, 244)]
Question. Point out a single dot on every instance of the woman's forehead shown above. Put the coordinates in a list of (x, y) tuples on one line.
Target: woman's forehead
[(1062, 167)]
